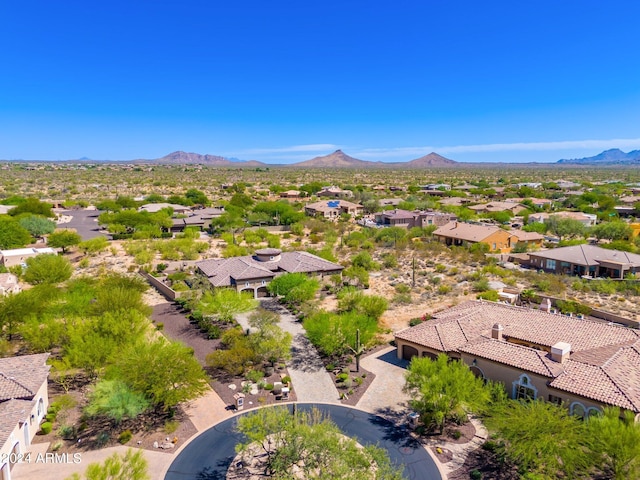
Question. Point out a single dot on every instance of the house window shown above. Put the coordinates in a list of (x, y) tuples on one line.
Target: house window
[(522, 388), (246, 284), (577, 409), (494, 246), (554, 399), (551, 264), (264, 282)]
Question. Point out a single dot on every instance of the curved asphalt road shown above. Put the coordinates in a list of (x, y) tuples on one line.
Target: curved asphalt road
[(209, 455)]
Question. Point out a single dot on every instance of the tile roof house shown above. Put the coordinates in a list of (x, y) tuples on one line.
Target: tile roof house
[(582, 364), (588, 260), (253, 273), (334, 192), (494, 207), (156, 207), (460, 233), (23, 404), (587, 219), (407, 219), (8, 284), (200, 218), (332, 208)]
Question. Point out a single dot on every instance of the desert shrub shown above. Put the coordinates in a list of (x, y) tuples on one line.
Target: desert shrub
[(46, 428), (125, 436), (491, 295), (171, 426)]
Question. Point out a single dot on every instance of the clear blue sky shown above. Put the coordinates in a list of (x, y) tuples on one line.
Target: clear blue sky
[(284, 81)]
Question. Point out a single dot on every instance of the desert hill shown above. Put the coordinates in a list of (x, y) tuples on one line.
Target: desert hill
[(183, 158), (613, 156)]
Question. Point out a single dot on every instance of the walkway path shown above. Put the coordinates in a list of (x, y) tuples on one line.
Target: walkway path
[(310, 379)]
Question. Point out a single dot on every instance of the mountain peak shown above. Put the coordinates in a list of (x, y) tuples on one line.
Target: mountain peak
[(431, 160), (337, 159), (613, 156)]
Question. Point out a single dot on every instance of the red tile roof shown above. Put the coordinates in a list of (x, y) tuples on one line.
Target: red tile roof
[(604, 361)]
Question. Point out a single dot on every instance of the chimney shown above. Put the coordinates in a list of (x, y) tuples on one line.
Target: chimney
[(545, 305), (496, 331), (560, 352)]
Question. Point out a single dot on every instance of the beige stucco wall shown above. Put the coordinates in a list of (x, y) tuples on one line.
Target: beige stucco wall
[(507, 376), (24, 430)]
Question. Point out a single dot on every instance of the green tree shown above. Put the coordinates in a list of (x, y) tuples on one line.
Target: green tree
[(617, 230), (616, 443), (130, 466), (47, 268), (63, 239), (336, 334), (12, 234), (225, 303), (351, 299), (565, 227), (34, 206), (238, 355), (115, 400), (166, 372), (442, 390), (197, 197), (270, 342), (311, 444), (37, 225), (94, 245), (529, 430), (18, 308)]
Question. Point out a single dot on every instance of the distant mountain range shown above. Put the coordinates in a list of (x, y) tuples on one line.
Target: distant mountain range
[(614, 156), (339, 159), (184, 158)]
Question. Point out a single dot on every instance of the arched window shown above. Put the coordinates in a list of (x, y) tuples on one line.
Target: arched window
[(594, 412), (577, 409), (522, 388)]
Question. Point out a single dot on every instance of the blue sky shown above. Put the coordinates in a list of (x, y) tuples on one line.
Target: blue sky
[(285, 81)]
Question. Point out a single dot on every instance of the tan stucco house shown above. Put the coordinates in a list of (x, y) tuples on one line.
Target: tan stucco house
[(582, 364)]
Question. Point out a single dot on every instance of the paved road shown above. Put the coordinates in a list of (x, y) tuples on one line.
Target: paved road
[(85, 222), (309, 377), (209, 455)]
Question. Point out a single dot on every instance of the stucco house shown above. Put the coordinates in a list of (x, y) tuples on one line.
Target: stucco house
[(407, 219), (582, 364), (460, 233), (334, 192), (588, 260), (587, 219), (9, 284), (19, 256), (332, 208), (494, 207), (254, 273), (23, 404)]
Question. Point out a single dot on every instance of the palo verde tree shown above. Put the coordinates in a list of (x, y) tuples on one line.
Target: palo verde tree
[(130, 466), (530, 431), (311, 444), (63, 239), (614, 439), (165, 372), (47, 268), (443, 390)]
